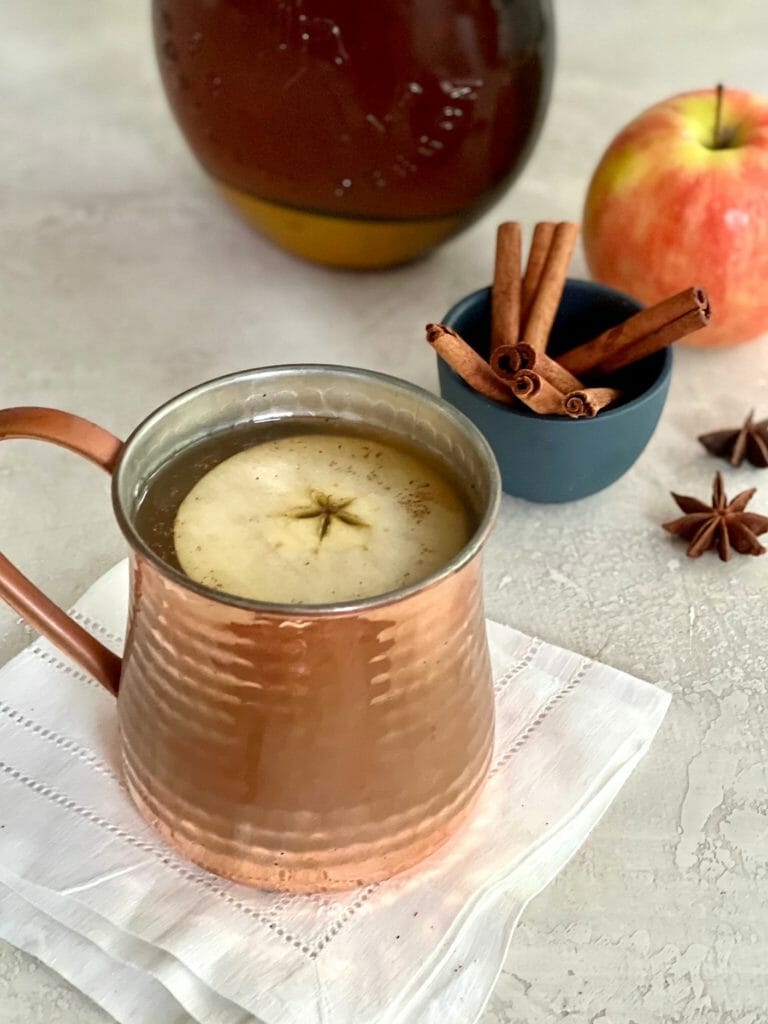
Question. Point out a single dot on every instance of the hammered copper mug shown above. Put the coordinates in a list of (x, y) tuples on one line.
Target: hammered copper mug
[(297, 747)]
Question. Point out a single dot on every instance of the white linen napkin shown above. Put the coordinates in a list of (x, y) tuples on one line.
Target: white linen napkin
[(91, 890)]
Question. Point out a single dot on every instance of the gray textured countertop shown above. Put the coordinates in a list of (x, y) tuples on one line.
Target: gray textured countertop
[(125, 280)]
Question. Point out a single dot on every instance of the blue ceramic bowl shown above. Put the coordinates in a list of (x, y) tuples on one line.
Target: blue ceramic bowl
[(553, 458)]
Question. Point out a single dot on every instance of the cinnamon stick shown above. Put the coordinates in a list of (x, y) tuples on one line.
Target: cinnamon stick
[(471, 367), (537, 257), (505, 295), (507, 360), (551, 284), (586, 403), (642, 334), (537, 393)]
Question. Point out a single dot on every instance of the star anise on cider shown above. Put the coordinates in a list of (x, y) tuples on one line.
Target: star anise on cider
[(325, 510), (749, 441), (722, 525)]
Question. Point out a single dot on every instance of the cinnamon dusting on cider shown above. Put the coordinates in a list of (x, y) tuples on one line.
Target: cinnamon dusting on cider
[(417, 500)]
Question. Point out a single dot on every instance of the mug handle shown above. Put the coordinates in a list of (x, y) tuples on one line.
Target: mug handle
[(103, 448)]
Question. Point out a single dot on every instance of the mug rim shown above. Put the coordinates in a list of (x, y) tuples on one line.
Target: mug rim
[(291, 370)]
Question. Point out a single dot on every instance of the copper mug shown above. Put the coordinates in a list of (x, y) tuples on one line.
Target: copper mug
[(301, 748)]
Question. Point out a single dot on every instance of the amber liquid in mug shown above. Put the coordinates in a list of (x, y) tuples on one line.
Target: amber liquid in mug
[(305, 510), (328, 121)]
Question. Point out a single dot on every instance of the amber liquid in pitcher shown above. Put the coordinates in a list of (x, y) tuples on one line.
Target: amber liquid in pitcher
[(357, 132)]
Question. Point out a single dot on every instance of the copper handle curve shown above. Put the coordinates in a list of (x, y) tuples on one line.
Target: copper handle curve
[(102, 448)]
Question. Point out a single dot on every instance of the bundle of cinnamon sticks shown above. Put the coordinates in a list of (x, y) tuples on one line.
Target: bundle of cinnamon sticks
[(524, 305)]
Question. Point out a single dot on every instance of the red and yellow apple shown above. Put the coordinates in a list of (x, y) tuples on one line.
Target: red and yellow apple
[(680, 197)]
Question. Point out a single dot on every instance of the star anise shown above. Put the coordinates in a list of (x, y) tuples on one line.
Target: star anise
[(722, 525), (325, 509), (749, 441)]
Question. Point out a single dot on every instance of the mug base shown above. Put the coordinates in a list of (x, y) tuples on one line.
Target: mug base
[(333, 872)]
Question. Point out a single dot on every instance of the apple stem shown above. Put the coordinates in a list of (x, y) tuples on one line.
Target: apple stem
[(718, 140)]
